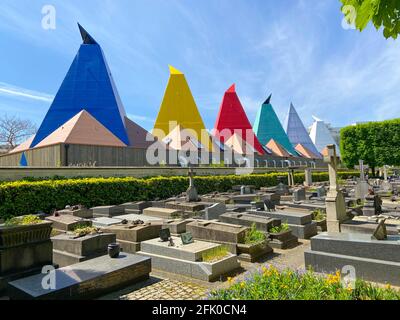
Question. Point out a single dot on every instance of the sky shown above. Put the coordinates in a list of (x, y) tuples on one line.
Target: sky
[(298, 50)]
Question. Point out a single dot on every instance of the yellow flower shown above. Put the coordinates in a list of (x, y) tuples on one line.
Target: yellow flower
[(230, 280), (242, 284), (388, 286)]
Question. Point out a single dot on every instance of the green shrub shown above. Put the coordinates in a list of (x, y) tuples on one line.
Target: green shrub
[(254, 236), (23, 221), (18, 198), (319, 215), (278, 229), (271, 284)]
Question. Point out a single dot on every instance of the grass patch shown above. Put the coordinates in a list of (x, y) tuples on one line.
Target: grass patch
[(254, 236), (271, 284), (215, 254)]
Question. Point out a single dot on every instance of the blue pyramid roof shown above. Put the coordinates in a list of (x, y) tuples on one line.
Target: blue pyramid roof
[(296, 131), (267, 126), (88, 85), (23, 162)]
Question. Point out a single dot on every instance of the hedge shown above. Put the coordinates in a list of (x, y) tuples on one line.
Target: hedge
[(27, 197)]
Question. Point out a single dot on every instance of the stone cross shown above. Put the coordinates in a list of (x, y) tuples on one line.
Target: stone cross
[(191, 175), (335, 205), (332, 159), (362, 173)]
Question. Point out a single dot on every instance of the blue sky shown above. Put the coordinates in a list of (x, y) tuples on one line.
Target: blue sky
[(295, 49)]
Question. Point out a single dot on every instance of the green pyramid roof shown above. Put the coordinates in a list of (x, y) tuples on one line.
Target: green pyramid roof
[(267, 126)]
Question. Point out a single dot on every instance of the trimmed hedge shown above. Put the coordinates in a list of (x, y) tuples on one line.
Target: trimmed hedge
[(26, 197)]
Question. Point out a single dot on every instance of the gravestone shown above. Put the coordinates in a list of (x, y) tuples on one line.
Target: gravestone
[(86, 280), (386, 185), (187, 259), (136, 207), (77, 211), (69, 250), (24, 250), (164, 213), (131, 235), (273, 197), (321, 191), (335, 204), (68, 222), (380, 233), (187, 238), (308, 177), (215, 211), (362, 187), (282, 189), (291, 178), (108, 211), (372, 205), (191, 192), (262, 223), (299, 194)]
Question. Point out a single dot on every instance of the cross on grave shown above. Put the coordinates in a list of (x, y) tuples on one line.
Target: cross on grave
[(332, 159), (335, 205), (191, 193)]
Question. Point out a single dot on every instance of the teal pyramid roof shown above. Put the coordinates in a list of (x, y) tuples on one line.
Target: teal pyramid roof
[(267, 126), (296, 131)]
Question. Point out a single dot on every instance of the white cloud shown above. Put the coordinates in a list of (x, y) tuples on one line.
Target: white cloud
[(17, 92)]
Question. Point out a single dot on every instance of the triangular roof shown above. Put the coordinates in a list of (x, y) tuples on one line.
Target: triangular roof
[(88, 85), (296, 131), (267, 126), (23, 161), (306, 153), (179, 108), (233, 119), (23, 146), (83, 129), (137, 135), (237, 144), (181, 138), (278, 149), (321, 136)]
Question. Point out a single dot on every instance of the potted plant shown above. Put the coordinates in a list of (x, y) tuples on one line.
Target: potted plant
[(24, 230), (281, 233), (255, 245), (319, 217)]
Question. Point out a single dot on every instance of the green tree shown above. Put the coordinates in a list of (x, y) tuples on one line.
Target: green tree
[(377, 143), (382, 13)]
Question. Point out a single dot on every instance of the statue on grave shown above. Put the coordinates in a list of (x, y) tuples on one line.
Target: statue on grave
[(191, 192), (335, 204)]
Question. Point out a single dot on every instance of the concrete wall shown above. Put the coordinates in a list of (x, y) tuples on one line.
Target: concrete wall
[(15, 173)]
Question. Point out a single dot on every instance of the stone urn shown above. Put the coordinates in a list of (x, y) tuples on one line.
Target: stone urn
[(114, 250)]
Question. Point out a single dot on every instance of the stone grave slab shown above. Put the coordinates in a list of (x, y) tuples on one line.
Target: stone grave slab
[(68, 222), (163, 213), (374, 260), (77, 211), (136, 207), (247, 220), (68, 251), (191, 207), (102, 222), (300, 223), (186, 260), (108, 211), (86, 280), (130, 236), (178, 226), (214, 211), (365, 227), (134, 217)]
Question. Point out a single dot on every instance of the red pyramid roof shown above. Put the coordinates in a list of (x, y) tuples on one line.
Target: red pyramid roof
[(233, 119)]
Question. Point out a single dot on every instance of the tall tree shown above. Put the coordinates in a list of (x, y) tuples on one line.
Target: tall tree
[(382, 13), (377, 143), (14, 130)]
